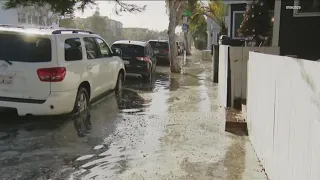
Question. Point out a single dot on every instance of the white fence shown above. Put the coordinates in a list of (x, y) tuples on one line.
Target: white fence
[(239, 57), (223, 74), (283, 114)]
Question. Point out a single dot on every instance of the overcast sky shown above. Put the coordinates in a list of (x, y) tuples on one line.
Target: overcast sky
[(154, 17)]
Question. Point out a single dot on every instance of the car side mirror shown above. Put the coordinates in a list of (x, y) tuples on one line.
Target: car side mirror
[(117, 52)]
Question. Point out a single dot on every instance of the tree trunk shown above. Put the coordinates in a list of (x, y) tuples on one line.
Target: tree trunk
[(174, 61)]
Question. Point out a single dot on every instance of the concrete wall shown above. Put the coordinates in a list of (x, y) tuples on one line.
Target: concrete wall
[(9, 16), (283, 115)]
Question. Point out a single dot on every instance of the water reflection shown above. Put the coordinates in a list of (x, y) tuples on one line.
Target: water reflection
[(129, 100), (82, 123)]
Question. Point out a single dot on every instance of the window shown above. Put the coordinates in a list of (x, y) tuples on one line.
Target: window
[(29, 19), (130, 50), (306, 8), (91, 48), (72, 49), (19, 48), (21, 18), (149, 50), (156, 44), (104, 48), (35, 20), (237, 20)]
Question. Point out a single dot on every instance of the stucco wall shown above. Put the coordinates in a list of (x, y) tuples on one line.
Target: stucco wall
[(8, 16)]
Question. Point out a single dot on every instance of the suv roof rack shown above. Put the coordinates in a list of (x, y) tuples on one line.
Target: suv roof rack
[(72, 30)]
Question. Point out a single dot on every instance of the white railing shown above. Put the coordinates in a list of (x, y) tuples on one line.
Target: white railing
[(283, 115)]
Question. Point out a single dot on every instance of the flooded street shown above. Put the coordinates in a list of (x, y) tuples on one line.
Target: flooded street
[(172, 128)]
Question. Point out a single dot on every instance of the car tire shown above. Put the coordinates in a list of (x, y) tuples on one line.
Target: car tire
[(147, 78), (82, 101), (119, 84)]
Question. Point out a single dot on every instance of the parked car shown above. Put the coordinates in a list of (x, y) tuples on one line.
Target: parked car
[(161, 51), (138, 57), (55, 71)]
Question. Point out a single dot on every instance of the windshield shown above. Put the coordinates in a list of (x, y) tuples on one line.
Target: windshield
[(21, 48), (129, 50), (161, 45)]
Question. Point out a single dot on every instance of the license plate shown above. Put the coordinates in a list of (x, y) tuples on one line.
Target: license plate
[(156, 51), (126, 62), (7, 80)]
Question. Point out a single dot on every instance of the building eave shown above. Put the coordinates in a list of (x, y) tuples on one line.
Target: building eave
[(236, 2)]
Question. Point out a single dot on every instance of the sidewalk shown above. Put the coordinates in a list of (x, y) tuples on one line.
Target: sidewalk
[(181, 135), (195, 145)]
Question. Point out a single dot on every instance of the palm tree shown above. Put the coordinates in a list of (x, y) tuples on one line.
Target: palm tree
[(216, 10)]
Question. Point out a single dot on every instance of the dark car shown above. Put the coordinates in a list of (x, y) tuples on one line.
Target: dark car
[(161, 50), (137, 56)]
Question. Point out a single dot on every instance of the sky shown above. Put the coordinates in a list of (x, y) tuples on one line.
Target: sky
[(154, 17)]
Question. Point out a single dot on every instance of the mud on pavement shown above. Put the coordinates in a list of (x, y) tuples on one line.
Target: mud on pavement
[(172, 128)]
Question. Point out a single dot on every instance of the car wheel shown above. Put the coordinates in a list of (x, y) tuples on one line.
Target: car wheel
[(147, 78), (82, 101), (119, 82)]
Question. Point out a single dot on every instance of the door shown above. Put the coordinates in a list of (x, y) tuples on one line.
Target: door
[(94, 67), (20, 61), (109, 64)]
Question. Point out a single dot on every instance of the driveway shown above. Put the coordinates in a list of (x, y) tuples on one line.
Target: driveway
[(172, 128)]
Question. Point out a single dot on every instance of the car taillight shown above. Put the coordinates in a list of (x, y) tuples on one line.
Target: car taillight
[(56, 74), (146, 59), (166, 50)]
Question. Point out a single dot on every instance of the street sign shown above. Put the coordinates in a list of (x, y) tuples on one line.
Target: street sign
[(185, 20), (184, 27), (187, 13)]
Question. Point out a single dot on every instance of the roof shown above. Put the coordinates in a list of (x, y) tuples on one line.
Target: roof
[(38, 30), (236, 1), (140, 43), (159, 40)]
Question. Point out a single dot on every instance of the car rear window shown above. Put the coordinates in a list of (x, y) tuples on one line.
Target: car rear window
[(130, 50), (22, 48), (156, 44)]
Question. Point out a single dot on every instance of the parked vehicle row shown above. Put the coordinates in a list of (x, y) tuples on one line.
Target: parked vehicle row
[(60, 71), (50, 72)]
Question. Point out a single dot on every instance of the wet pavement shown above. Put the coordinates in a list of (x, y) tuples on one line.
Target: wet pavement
[(172, 128)]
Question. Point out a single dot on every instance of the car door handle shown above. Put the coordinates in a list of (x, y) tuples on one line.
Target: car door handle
[(89, 67)]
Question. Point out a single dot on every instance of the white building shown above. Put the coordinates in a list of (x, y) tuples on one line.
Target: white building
[(28, 16)]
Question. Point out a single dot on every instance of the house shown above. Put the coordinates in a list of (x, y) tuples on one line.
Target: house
[(115, 27), (297, 27), (212, 32), (28, 16), (233, 19)]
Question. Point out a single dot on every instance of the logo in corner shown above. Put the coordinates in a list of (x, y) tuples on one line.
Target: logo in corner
[(3, 66)]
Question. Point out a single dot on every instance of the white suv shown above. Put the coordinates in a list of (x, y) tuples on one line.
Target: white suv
[(55, 71)]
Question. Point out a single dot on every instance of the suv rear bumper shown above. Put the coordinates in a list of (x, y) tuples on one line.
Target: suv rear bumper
[(57, 103)]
